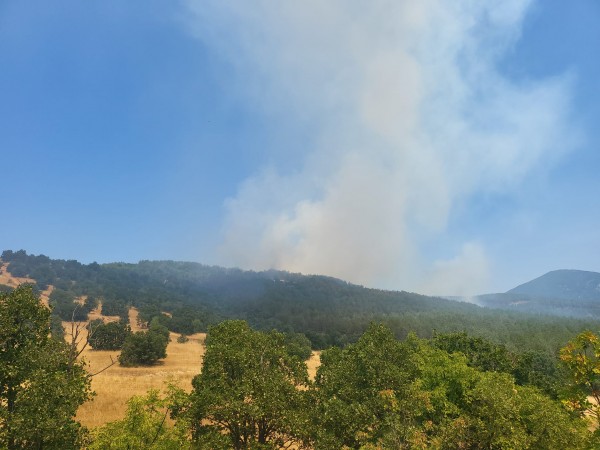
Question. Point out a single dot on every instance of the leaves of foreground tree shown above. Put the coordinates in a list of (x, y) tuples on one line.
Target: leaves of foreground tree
[(384, 394), (581, 356), (249, 392), (41, 386), (144, 427)]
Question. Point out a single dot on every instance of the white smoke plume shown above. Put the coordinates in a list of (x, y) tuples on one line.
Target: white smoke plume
[(412, 116)]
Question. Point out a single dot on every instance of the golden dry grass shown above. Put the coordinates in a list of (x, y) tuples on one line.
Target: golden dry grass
[(116, 385), (313, 363), (96, 313), (7, 279)]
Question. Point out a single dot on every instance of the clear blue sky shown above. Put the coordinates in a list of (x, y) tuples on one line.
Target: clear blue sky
[(412, 145)]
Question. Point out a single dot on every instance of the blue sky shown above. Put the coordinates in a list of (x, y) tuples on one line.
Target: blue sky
[(410, 145)]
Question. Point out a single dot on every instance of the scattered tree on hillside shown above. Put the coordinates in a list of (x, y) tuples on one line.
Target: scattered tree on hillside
[(144, 348), (109, 336), (41, 385)]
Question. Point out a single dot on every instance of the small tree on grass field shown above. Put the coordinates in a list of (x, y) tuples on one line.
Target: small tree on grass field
[(145, 348), (110, 336)]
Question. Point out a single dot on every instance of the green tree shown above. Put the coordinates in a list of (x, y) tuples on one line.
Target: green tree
[(481, 353), (41, 385), (143, 349), (248, 390), (381, 393), (299, 345), (56, 328), (581, 356), (109, 336), (156, 326), (361, 388)]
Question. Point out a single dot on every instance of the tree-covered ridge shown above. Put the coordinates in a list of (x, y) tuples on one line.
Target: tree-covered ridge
[(327, 310), (563, 284), (567, 293)]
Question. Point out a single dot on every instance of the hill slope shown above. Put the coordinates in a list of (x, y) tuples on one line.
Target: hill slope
[(573, 293), (329, 311), (563, 284)]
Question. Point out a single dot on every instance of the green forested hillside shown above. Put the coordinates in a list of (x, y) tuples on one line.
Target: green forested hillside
[(329, 311)]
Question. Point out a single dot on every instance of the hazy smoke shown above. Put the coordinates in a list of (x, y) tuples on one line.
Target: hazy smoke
[(413, 117)]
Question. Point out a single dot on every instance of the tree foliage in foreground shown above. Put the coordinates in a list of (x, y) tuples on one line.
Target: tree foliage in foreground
[(145, 427), (379, 393), (581, 356), (247, 395), (383, 393), (41, 386)]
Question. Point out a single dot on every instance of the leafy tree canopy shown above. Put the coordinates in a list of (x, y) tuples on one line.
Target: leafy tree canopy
[(41, 386), (248, 390), (145, 427)]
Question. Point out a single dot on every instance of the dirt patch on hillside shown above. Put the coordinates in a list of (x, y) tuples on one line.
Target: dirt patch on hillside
[(313, 363), (7, 279)]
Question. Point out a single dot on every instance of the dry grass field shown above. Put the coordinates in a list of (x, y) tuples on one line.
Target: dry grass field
[(115, 385)]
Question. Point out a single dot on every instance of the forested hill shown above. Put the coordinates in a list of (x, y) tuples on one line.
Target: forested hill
[(564, 284), (574, 293), (329, 311)]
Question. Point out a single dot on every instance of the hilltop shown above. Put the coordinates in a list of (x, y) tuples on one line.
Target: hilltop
[(571, 293)]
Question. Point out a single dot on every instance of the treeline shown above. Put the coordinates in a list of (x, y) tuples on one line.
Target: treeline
[(328, 311)]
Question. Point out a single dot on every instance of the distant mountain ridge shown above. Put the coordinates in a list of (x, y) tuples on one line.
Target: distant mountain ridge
[(563, 284), (574, 293)]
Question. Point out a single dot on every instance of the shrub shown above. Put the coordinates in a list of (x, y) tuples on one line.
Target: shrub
[(143, 349), (110, 336)]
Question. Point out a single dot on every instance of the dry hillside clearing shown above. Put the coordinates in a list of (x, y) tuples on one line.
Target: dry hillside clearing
[(117, 384), (8, 280)]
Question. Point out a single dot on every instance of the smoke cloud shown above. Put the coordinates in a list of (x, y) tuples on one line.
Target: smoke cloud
[(411, 117)]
